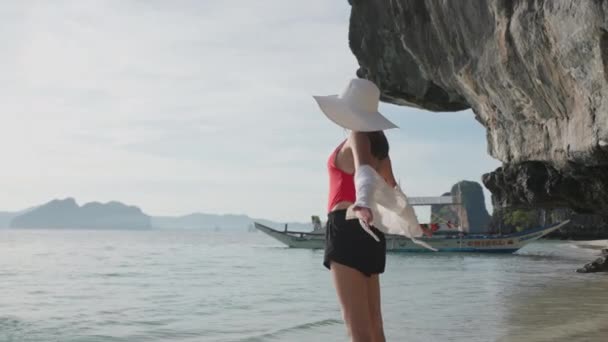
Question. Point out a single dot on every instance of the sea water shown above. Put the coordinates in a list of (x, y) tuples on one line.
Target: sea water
[(183, 285)]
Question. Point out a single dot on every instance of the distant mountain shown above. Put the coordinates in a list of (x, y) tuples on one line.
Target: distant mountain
[(219, 222), (5, 218), (68, 214)]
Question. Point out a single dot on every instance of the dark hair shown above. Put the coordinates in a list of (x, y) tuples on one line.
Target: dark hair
[(378, 144)]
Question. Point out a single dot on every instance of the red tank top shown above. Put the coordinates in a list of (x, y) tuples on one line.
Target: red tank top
[(341, 184)]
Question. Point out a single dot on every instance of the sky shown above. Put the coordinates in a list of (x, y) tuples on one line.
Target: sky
[(196, 106)]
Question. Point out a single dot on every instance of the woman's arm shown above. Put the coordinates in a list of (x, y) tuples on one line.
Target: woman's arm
[(386, 171), (362, 155)]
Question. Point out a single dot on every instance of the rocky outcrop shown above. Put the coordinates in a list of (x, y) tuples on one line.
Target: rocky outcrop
[(534, 183), (579, 227), (598, 265), (534, 73), (68, 214), (470, 213), (441, 213)]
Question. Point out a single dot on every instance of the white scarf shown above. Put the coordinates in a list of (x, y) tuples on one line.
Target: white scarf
[(392, 213)]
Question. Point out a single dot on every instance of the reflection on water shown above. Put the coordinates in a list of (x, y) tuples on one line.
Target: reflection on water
[(560, 311), (569, 307)]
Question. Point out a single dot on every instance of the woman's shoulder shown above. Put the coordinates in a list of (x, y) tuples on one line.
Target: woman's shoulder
[(357, 140)]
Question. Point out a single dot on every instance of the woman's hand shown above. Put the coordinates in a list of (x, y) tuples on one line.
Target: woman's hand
[(364, 214), (427, 231), (366, 217)]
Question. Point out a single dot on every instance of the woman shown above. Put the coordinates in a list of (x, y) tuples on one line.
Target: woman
[(355, 250)]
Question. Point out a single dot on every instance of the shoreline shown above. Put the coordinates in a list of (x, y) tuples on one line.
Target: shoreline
[(593, 244)]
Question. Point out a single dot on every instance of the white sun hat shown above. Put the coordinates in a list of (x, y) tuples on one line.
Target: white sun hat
[(356, 108)]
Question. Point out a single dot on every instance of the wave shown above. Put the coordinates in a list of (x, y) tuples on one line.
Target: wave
[(281, 332)]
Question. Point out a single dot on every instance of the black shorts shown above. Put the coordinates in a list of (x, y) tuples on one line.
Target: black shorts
[(348, 244)]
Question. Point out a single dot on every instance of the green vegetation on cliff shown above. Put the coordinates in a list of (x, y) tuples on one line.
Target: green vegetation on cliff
[(521, 220)]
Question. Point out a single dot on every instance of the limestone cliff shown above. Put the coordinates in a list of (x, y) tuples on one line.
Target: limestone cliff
[(534, 73), (470, 213)]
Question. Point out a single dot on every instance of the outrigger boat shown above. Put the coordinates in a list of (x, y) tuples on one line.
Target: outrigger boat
[(447, 237)]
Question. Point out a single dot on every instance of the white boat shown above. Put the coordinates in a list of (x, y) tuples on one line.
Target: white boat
[(447, 238), (449, 243)]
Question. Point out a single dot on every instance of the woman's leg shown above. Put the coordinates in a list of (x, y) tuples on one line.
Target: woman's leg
[(375, 310), (351, 286)]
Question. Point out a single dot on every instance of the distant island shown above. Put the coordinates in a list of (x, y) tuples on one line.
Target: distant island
[(67, 214), (6, 218), (470, 213)]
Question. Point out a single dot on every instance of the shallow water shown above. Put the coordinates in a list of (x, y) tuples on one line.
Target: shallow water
[(194, 286)]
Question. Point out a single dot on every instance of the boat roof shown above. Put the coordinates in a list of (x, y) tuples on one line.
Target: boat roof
[(426, 200)]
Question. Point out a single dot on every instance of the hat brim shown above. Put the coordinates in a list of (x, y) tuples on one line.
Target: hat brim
[(341, 114)]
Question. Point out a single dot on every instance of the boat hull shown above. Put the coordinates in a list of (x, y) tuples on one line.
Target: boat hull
[(394, 243)]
